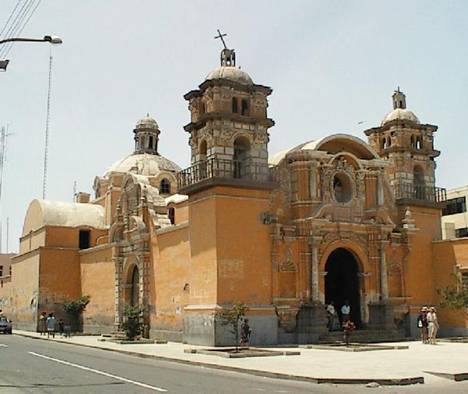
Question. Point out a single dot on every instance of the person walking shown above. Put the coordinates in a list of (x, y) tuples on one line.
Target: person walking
[(345, 312), (433, 325), (348, 328), (331, 316), (43, 323), (423, 325), (51, 325)]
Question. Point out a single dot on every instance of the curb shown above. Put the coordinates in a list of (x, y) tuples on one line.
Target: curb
[(256, 372)]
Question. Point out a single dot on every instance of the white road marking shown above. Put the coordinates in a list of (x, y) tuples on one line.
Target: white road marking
[(3, 345), (146, 386)]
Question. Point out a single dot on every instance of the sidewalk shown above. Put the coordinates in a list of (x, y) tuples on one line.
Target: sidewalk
[(320, 366)]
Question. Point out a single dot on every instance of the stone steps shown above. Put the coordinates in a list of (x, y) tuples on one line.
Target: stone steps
[(364, 336)]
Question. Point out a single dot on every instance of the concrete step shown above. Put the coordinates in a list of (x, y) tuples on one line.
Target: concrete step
[(364, 336)]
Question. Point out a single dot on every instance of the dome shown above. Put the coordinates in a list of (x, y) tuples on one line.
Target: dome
[(232, 74), (143, 164), (147, 123), (400, 114)]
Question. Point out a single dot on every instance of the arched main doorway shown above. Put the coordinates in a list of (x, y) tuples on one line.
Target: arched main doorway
[(342, 282)]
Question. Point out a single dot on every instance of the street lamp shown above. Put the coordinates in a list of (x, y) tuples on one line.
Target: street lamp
[(50, 39)]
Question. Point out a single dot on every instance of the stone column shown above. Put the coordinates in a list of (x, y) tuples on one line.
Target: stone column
[(118, 292), (314, 270), (383, 272)]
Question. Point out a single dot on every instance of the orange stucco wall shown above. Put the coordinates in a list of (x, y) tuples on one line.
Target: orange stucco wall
[(97, 272), (171, 279), (449, 254)]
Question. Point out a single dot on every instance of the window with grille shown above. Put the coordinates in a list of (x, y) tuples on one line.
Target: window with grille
[(165, 187), (455, 205)]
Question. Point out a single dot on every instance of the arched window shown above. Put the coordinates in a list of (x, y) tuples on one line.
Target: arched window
[(241, 156), (202, 160), (151, 142), (245, 107), (202, 108), (412, 141), (418, 143), (165, 187), (234, 105), (382, 143), (135, 287), (389, 142)]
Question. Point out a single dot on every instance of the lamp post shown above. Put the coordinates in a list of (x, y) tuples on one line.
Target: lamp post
[(50, 39)]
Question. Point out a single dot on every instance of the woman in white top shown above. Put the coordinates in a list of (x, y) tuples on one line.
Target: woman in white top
[(433, 325)]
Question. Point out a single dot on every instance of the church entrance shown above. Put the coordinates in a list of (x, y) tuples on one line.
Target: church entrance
[(342, 283)]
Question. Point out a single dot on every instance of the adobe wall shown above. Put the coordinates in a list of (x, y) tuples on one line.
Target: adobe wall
[(20, 297), (59, 279), (447, 255), (199, 314), (170, 282), (97, 272)]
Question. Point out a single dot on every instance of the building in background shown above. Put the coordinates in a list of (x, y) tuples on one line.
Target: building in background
[(454, 215), (335, 219)]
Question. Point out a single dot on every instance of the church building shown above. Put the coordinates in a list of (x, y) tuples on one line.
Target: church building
[(335, 219)]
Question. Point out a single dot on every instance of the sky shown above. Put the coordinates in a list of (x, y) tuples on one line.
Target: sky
[(331, 64)]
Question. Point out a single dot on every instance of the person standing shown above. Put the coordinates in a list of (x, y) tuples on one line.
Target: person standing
[(348, 328), (51, 325), (433, 325), (331, 315), (345, 312), (423, 325), (245, 333), (43, 323)]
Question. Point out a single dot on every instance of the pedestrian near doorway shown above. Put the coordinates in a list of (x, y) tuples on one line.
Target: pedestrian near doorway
[(331, 316), (348, 328), (345, 312), (433, 325), (423, 325), (51, 325)]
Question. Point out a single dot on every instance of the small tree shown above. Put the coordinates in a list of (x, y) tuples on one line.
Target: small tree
[(232, 317), (132, 324), (74, 310), (455, 296)]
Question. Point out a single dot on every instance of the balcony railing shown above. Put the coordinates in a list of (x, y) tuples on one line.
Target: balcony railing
[(224, 169), (430, 194)]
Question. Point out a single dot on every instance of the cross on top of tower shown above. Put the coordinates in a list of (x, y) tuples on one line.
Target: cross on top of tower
[(228, 56), (221, 35)]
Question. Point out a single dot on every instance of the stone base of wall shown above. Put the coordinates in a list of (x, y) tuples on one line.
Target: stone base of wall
[(453, 332), (98, 329), (311, 323), (205, 330), (167, 335), (381, 317)]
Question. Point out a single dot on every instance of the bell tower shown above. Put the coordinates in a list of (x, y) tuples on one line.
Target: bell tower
[(146, 136), (229, 188), (229, 123), (409, 147)]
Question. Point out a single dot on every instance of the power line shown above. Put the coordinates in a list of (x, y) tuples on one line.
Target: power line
[(12, 27), (9, 18), (18, 33)]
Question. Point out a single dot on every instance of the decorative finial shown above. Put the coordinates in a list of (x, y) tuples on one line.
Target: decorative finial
[(228, 56)]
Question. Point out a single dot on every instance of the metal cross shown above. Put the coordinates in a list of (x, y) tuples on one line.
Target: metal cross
[(222, 39)]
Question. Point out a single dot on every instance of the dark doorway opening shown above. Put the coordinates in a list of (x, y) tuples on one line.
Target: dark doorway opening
[(342, 283), (84, 239), (135, 287)]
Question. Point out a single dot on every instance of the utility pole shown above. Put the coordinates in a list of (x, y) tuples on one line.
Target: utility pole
[(7, 232), (46, 142)]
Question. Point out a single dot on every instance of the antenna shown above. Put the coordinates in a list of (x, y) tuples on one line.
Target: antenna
[(7, 232), (46, 143)]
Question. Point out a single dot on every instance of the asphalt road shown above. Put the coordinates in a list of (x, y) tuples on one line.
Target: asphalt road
[(35, 366)]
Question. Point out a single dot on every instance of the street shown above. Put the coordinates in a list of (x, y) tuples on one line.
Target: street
[(35, 366)]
